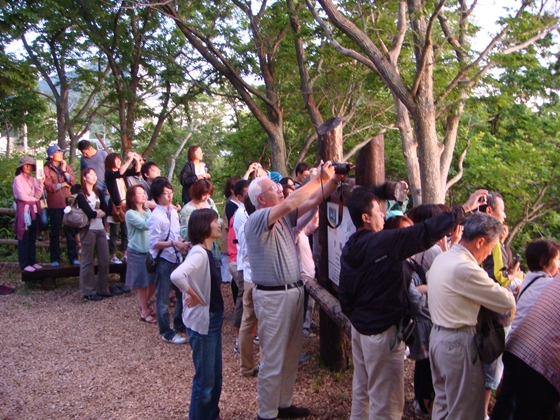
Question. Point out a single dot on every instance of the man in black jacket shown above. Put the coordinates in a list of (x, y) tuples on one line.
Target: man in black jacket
[(373, 295)]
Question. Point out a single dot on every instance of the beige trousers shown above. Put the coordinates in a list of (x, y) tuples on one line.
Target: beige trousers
[(280, 315), (378, 382), (248, 324)]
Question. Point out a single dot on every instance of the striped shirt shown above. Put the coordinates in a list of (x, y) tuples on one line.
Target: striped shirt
[(272, 252)]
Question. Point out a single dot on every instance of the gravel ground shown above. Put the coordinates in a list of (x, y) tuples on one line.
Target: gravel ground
[(62, 359)]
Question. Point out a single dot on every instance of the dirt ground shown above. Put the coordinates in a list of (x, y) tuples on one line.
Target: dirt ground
[(62, 358)]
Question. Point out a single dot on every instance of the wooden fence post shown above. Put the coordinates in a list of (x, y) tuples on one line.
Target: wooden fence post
[(331, 346)]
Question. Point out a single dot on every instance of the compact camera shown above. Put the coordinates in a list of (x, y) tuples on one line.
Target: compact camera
[(341, 168)]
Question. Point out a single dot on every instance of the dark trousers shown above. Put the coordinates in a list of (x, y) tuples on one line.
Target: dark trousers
[(26, 246), (423, 388), (525, 394), (55, 218), (113, 235)]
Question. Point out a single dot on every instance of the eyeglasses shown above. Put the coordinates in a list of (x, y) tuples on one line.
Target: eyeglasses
[(277, 187)]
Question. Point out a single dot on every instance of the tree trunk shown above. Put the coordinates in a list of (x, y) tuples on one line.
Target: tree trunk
[(332, 338), (409, 147)]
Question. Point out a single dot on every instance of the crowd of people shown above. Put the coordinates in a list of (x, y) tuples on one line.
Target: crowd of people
[(412, 283)]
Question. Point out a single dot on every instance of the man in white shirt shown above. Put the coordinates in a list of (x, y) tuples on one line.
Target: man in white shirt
[(457, 287)]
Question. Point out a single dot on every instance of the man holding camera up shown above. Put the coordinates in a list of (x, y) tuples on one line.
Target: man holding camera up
[(373, 294), (278, 292)]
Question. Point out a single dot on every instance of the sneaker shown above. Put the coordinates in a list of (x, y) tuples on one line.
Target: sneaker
[(177, 339), (256, 340), (106, 295), (123, 259), (95, 297), (293, 412), (122, 288), (37, 266), (236, 346), (115, 290), (307, 333), (76, 262), (115, 260), (55, 264), (29, 269), (314, 324), (304, 358)]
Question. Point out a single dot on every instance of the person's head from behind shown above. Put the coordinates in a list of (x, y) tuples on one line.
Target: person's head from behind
[(201, 190), (135, 197), (162, 191), (494, 206), (480, 235), (194, 153), (543, 255), (228, 188), (288, 186), (203, 224), (86, 148), (397, 222), (150, 171), (364, 210), (302, 171), (264, 192), (424, 212)]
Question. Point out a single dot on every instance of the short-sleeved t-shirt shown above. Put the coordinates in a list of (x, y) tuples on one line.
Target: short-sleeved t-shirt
[(97, 162), (272, 252)]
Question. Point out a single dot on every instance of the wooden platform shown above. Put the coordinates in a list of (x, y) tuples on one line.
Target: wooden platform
[(47, 275)]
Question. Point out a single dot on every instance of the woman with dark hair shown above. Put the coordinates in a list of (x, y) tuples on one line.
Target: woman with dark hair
[(201, 193), (193, 170), (93, 239), (137, 218), (116, 173), (27, 192), (198, 277), (415, 276), (526, 392)]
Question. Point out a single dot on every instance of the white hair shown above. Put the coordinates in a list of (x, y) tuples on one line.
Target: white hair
[(255, 189)]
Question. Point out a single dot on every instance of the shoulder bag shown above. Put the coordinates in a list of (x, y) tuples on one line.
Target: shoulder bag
[(490, 336), (75, 217)]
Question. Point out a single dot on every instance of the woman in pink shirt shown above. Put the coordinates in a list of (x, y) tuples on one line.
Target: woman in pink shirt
[(27, 192)]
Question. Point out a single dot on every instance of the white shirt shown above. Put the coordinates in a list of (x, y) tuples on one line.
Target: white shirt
[(158, 228)]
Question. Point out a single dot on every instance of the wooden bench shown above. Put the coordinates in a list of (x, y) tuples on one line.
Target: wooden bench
[(47, 275)]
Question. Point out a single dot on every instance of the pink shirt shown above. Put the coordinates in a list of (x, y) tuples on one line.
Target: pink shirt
[(232, 247)]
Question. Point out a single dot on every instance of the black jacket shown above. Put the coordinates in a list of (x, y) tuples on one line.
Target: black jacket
[(187, 177), (372, 289)]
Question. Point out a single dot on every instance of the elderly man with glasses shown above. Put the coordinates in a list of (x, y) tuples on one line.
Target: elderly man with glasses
[(278, 293)]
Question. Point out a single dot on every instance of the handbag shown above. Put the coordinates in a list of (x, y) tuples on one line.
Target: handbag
[(43, 203), (118, 212), (490, 336), (75, 217)]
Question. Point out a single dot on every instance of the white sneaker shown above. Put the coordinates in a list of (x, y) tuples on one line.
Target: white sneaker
[(115, 260), (177, 339), (307, 333)]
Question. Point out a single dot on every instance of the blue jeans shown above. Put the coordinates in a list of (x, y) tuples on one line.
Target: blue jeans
[(207, 360), (163, 286)]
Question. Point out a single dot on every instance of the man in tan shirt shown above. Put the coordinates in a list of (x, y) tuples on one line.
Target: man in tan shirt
[(457, 287)]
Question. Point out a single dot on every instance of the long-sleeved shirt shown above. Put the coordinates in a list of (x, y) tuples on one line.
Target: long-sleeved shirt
[(458, 286), (163, 222), (137, 226)]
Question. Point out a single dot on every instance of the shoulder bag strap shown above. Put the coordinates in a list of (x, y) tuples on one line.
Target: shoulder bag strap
[(529, 285)]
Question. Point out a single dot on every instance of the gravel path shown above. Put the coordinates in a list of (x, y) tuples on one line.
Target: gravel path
[(62, 359)]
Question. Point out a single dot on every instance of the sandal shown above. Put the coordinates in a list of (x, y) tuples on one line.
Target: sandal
[(148, 318)]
